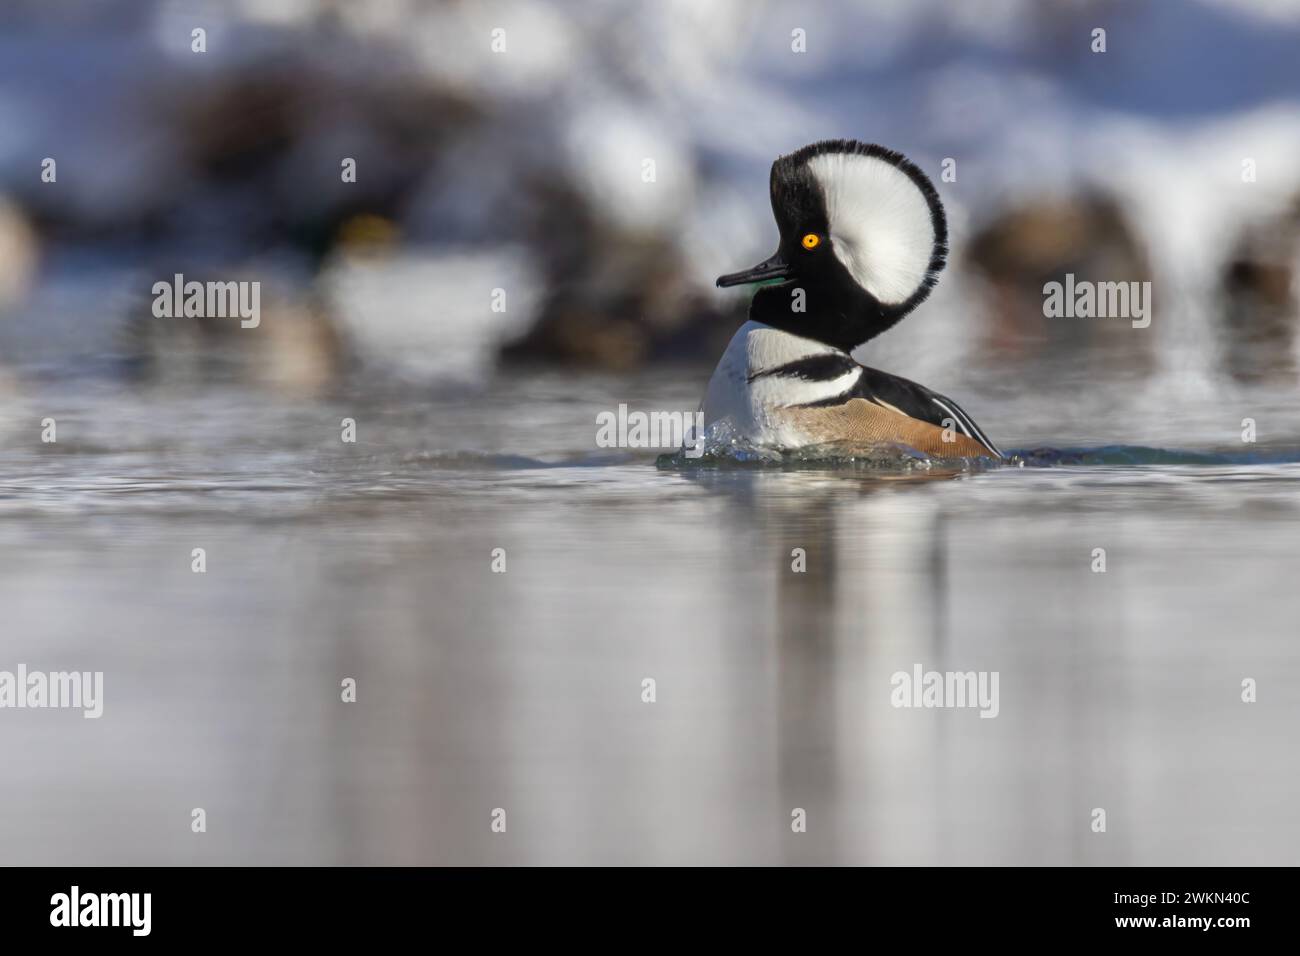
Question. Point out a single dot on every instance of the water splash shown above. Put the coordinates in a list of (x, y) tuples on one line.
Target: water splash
[(724, 448)]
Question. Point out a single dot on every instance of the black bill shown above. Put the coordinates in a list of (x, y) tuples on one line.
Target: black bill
[(773, 268)]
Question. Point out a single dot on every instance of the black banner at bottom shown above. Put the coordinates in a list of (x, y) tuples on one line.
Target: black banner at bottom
[(334, 905)]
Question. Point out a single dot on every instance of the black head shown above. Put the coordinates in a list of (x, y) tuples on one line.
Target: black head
[(863, 239)]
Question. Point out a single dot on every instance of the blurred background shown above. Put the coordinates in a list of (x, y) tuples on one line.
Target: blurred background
[(521, 170)]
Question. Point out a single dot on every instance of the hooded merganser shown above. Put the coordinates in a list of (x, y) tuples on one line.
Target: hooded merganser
[(863, 239)]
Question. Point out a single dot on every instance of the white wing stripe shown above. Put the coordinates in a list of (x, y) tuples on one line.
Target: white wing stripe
[(966, 425)]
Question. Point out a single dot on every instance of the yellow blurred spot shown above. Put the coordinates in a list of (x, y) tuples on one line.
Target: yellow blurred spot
[(368, 233)]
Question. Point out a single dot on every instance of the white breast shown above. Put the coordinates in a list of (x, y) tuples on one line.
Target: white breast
[(753, 407)]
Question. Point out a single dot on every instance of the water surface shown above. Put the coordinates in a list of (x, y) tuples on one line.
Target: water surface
[(477, 690)]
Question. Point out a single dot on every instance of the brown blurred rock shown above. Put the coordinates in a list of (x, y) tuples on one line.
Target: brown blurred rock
[(1260, 309), (615, 299), (277, 132), (1021, 251)]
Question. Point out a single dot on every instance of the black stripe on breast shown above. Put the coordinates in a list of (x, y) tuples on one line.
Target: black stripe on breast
[(814, 368)]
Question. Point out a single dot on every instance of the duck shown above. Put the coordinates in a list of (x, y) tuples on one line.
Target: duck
[(863, 238)]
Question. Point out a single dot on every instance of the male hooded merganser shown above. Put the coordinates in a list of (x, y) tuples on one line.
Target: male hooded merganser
[(863, 238)]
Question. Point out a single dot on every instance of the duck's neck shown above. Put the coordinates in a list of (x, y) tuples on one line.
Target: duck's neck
[(843, 318)]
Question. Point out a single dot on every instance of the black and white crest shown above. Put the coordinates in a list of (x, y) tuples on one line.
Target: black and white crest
[(882, 215)]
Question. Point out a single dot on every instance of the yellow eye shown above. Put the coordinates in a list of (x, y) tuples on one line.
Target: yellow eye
[(811, 241)]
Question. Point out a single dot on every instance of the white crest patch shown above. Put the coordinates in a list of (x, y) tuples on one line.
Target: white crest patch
[(880, 223)]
